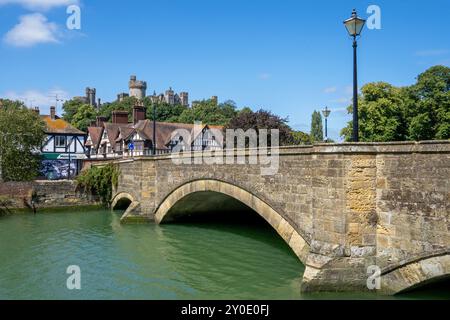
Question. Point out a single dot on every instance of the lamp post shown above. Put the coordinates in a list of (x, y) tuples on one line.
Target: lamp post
[(354, 26), (154, 124), (326, 113)]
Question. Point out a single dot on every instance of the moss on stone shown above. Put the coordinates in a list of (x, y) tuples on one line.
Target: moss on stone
[(135, 220)]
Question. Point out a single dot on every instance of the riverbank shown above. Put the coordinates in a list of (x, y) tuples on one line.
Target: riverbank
[(21, 197)]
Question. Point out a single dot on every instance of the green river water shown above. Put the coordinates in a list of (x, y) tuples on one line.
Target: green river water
[(186, 261)]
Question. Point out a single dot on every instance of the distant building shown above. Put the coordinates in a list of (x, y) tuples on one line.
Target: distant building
[(64, 148)]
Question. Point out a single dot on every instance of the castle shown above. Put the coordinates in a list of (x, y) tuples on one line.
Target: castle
[(90, 98), (138, 89)]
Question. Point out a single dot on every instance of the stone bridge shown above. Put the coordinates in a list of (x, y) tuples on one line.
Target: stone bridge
[(341, 208)]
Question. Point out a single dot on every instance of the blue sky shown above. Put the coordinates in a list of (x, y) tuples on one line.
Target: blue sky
[(288, 56)]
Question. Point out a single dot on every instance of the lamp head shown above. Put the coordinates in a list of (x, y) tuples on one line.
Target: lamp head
[(354, 24)]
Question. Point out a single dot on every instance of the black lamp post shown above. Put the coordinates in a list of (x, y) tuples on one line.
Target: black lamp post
[(154, 124), (326, 113), (354, 27)]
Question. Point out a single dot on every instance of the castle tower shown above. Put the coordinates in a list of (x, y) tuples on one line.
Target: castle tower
[(137, 88), (90, 96), (184, 97), (170, 96), (215, 100)]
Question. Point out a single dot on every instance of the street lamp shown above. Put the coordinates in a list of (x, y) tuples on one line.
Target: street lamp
[(326, 113), (354, 27), (154, 124)]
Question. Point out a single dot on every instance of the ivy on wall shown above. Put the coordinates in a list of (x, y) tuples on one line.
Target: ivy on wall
[(100, 181)]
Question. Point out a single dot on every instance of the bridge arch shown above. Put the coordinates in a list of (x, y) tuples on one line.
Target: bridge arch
[(122, 200), (125, 201), (416, 274), (283, 227)]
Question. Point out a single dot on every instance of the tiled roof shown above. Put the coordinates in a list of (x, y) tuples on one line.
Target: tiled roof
[(164, 131), (96, 136), (113, 131), (59, 126)]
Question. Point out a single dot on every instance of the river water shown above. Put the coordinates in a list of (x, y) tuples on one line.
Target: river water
[(187, 261)]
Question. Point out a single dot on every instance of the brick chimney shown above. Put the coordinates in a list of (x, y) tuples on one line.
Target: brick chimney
[(100, 121), (53, 113), (139, 113), (120, 117)]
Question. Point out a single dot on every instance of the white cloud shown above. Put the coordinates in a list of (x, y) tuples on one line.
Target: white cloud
[(265, 76), (31, 30), (330, 90), (37, 98), (39, 4)]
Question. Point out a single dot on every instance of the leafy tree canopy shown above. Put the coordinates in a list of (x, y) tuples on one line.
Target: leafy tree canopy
[(316, 127), (262, 119), (22, 136), (417, 112), (84, 116)]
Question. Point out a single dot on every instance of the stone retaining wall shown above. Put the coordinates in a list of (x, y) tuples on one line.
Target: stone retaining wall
[(49, 194)]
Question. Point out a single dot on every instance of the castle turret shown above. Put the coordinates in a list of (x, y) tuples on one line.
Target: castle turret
[(137, 88), (170, 96), (90, 96), (184, 97)]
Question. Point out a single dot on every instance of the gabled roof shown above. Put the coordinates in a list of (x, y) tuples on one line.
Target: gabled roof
[(164, 132), (95, 133), (113, 132), (59, 126), (125, 133)]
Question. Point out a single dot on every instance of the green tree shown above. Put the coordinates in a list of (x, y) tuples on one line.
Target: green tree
[(262, 119), (164, 111), (381, 114), (70, 107), (100, 181), (84, 116), (126, 104), (205, 111), (300, 138), (316, 127), (428, 105), (22, 136), (417, 112)]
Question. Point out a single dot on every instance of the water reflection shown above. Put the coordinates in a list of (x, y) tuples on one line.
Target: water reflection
[(214, 260)]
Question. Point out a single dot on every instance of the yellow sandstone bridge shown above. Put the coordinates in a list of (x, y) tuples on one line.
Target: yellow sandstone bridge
[(346, 210)]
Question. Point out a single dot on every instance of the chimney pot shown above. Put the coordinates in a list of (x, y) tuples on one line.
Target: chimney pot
[(53, 113), (139, 113), (120, 117)]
